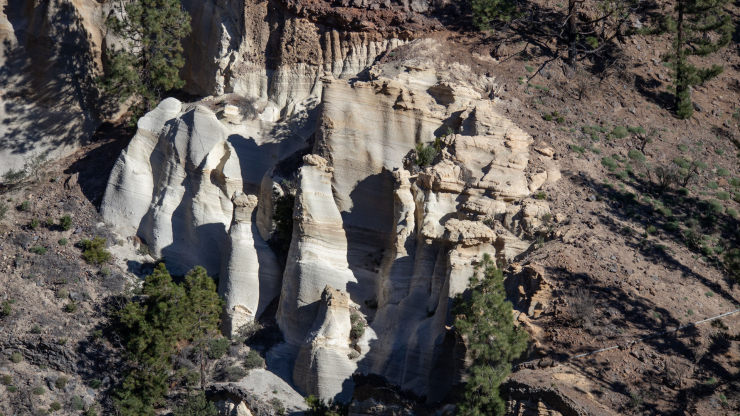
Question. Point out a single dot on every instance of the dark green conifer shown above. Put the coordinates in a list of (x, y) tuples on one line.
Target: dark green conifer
[(486, 323), (149, 62), (699, 28)]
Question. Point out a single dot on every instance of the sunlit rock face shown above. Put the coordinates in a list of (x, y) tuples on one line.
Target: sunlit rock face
[(378, 240)]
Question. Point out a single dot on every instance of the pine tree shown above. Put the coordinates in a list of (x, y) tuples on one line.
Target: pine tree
[(148, 64), (699, 28), (204, 307), (487, 12), (486, 324), (152, 329)]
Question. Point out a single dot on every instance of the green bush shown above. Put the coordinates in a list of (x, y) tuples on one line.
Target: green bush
[(577, 149), (623, 175), (541, 195), (65, 222), (716, 206), (723, 172), (39, 391), (34, 223), (735, 182), (425, 154), (683, 148), (487, 12), (637, 155), (6, 380), (71, 307), (7, 308), (651, 229), (713, 185), (77, 403), (636, 130), (55, 406), (94, 251), (95, 384), (720, 152), (196, 405), (38, 250), (61, 383), (253, 360), (63, 242), (16, 357), (234, 373), (683, 191), (25, 206), (278, 406), (35, 329), (62, 294), (683, 164), (218, 347), (732, 212), (620, 132), (666, 212), (722, 195), (609, 163), (671, 226)]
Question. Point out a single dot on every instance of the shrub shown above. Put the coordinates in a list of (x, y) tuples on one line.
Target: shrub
[(71, 307), (716, 206), (581, 305), (683, 191), (425, 154), (636, 130), (16, 357), (623, 175), (723, 172), (683, 164), (683, 148), (6, 379), (77, 403), (65, 222), (253, 360), (487, 12), (732, 212), (671, 226), (25, 206), (38, 250), (49, 222), (35, 329), (105, 271), (711, 381), (609, 163), (62, 341), (541, 195), (735, 182), (635, 400), (196, 405), (3, 210), (7, 308), (620, 132), (61, 383), (720, 152), (62, 294), (651, 229), (12, 389), (34, 223), (709, 294), (723, 195), (577, 149), (218, 347), (94, 251), (55, 406), (63, 242), (713, 185), (95, 384), (39, 391), (637, 155), (278, 406), (234, 373)]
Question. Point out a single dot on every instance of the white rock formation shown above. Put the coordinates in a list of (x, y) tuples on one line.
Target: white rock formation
[(372, 231), (251, 277)]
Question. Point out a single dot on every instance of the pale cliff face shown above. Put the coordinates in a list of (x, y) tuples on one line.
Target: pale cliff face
[(374, 235)]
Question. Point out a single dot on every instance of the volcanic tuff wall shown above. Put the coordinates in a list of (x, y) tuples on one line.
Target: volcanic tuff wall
[(332, 118)]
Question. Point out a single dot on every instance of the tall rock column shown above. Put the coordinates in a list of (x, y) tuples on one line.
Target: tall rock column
[(318, 251), (251, 278)]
